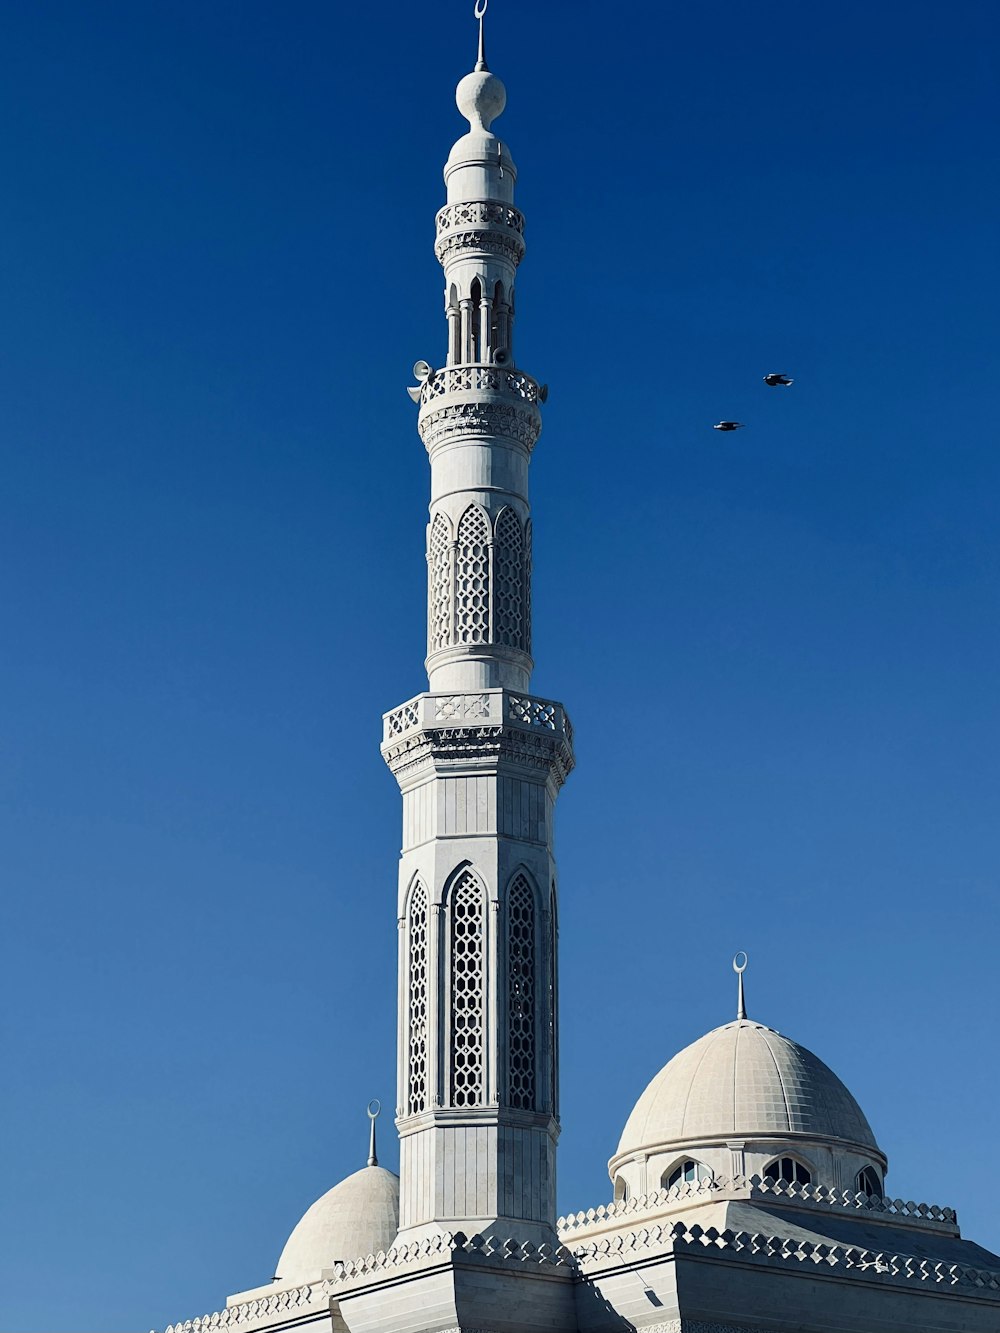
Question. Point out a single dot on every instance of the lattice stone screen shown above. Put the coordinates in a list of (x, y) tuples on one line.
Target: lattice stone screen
[(527, 586), (417, 1037), (508, 577), (467, 916), (439, 552), (521, 989), (472, 578)]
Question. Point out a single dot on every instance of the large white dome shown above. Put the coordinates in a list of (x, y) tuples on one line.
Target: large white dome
[(744, 1080), (358, 1217)]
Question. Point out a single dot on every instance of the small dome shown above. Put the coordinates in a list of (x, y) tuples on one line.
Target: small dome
[(358, 1217), (744, 1080), (481, 97)]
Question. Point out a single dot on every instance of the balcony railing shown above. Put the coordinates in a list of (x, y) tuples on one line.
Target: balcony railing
[(486, 708), (479, 378)]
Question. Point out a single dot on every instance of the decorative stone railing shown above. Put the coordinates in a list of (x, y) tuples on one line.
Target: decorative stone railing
[(750, 1246), (622, 1247), (484, 709), (349, 1276), (478, 379), (479, 213), (754, 1187), (483, 226)]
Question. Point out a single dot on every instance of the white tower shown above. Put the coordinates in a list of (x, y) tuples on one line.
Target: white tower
[(478, 759)]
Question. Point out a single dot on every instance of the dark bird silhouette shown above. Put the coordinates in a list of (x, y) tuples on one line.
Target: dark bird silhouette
[(777, 379), (729, 425)]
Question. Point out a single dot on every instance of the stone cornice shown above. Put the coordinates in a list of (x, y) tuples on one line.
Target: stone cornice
[(487, 420), (460, 745)]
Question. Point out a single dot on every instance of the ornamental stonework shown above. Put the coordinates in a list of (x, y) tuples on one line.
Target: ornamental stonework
[(503, 245), (548, 752), (502, 421)]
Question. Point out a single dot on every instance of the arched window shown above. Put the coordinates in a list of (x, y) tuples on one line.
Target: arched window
[(527, 586), (472, 578), (439, 579), (688, 1172), (476, 292), (621, 1189), (553, 998), (467, 921), (869, 1183), (521, 992), (788, 1170), (417, 1018), (454, 326), (508, 580), (501, 321)]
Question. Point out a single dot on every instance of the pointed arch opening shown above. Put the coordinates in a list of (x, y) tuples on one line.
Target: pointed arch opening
[(439, 629), (508, 580), (687, 1172), (869, 1183), (417, 1000), (787, 1170), (465, 906), (522, 993), (476, 321), (472, 578)]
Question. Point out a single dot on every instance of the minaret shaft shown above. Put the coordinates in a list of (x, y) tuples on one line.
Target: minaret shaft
[(479, 761)]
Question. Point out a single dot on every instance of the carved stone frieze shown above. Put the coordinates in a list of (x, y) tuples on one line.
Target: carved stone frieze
[(505, 245), (495, 420), (542, 750)]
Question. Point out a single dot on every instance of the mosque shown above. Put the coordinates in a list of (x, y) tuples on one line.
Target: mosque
[(748, 1189)]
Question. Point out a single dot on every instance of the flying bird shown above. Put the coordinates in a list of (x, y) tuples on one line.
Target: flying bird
[(729, 425), (777, 379)]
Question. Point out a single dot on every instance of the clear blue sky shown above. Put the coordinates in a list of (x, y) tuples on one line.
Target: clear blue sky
[(780, 648)]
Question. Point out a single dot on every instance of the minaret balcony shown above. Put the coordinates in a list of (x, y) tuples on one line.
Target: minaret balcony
[(480, 724), (481, 399), (483, 226)]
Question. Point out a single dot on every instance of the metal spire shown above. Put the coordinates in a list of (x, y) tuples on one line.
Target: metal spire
[(739, 968), (373, 1116), (480, 10)]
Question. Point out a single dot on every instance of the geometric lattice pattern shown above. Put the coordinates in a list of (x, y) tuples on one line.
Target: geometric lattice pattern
[(552, 987), (439, 620), (521, 994), (472, 578), (467, 916), (417, 1075), (527, 586), (508, 577)]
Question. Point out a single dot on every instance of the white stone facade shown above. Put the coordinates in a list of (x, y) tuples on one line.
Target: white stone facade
[(749, 1186), (479, 760)]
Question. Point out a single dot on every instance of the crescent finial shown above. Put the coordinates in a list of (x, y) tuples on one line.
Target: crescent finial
[(739, 968), (374, 1109), (480, 12)]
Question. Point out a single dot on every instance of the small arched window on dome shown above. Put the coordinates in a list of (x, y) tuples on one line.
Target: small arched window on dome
[(621, 1189), (688, 1172), (869, 1183), (788, 1170)]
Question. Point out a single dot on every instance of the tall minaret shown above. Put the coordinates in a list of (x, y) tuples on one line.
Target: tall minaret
[(478, 759)]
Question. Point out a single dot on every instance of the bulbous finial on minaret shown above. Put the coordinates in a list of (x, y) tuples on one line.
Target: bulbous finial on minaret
[(481, 96)]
